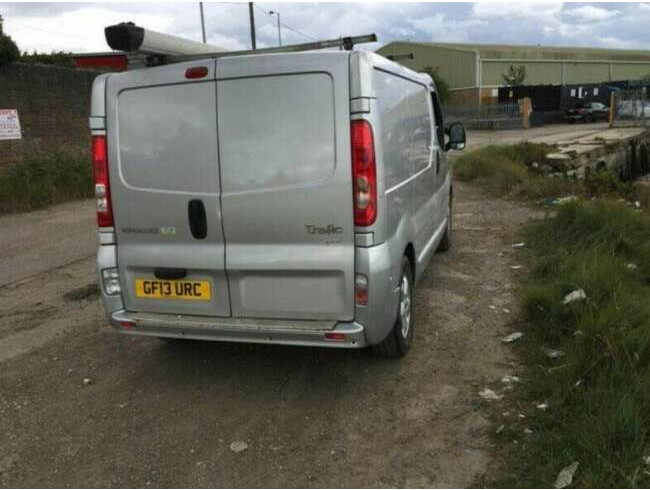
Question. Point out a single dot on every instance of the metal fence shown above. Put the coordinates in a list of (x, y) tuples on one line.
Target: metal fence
[(630, 108), (490, 116)]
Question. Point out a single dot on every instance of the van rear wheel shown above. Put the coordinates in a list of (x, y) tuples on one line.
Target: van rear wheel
[(400, 338)]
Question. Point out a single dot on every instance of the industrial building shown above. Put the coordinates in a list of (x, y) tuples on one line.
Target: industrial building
[(474, 71)]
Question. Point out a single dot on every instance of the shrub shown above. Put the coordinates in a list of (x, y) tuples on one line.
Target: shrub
[(598, 393), (46, 177)]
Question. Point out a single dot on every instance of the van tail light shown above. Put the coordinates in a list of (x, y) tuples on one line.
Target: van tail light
[(102, 185), (364, 173), (360, 290)]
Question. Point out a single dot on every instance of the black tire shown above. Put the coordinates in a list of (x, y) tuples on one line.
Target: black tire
[(445, 243), (397, 344)]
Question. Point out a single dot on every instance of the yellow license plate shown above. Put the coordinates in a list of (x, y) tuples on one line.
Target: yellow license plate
[(171, 289)]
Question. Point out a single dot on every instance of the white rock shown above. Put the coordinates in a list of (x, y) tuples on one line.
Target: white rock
[(565, 477), (87, 381), (508, 379), (516, 267), (528, 431), (631, 266), (238, 446), (564, 200), (488, 394), (542, 406), (577, 295), (553, 353), (637, 204), (513, 337), (505, 310), (646, 460), (518, 245)]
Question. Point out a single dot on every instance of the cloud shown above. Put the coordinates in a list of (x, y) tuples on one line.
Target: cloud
[(440, 28), (533, 10), (78, 27), (589, 13)]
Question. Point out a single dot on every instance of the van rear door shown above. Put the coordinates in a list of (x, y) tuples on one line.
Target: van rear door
[(284, 149), (165, 186)]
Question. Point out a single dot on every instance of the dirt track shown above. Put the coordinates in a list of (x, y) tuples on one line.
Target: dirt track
[(158, 414)]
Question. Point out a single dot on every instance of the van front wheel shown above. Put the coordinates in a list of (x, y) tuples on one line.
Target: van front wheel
[(400, 338)]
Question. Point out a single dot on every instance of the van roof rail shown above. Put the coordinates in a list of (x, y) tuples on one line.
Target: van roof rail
[(160, 49), (346, 43)]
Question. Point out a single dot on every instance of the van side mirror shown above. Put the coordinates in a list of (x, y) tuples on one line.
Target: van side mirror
[(456, 132)]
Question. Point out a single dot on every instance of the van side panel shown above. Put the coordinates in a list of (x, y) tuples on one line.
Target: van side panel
[(287, 192), (394, 140)]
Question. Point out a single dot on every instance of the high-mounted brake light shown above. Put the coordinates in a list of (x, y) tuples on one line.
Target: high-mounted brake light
[(196, 72), (102, 186), (364, 173)]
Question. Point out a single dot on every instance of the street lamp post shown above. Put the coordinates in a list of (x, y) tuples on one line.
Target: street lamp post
[(277, 14), (202, 21)]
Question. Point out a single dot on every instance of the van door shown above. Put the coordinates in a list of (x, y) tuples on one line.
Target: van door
[(165, 185), (284, 146), (442, 163)]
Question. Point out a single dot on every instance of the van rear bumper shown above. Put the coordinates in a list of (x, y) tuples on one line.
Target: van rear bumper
[(252, 330)]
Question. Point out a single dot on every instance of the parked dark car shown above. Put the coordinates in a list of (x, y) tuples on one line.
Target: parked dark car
[(587, 112)]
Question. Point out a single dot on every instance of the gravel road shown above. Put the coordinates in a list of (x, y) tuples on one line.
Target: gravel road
[(31, 243), (83, 406)]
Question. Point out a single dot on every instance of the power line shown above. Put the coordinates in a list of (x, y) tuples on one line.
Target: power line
[(285, 25)]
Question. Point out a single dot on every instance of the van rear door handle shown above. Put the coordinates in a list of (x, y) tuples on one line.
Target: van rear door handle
[(196, 216), (437, 162), (169, 273)]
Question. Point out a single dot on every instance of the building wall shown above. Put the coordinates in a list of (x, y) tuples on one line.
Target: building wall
[(53, 106), (457, 67), (537, 73), (630, 71), (586, 72), (544, 65), (463, 97)]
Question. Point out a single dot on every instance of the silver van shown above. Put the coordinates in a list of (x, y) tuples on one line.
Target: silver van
[(282, 198)]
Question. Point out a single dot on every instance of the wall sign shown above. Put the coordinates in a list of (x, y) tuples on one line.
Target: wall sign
[(9, 125)]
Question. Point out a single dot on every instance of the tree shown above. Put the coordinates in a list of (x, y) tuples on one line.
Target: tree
[(515, 75), (441, 84), (58, 58), (8, 50)]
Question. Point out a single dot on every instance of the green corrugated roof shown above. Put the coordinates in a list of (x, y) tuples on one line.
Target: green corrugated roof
[(511, 51)]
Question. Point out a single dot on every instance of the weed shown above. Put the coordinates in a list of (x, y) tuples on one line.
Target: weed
[(598, 392), (44, 177), (509, 171)]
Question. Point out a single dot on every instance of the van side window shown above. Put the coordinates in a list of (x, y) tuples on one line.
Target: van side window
[(406, 134), (422, 135), (440, 127)]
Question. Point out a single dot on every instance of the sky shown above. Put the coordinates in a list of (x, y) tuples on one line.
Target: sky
[(78, 27)]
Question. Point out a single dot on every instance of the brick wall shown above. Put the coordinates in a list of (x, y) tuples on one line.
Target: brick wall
[(53, 106)]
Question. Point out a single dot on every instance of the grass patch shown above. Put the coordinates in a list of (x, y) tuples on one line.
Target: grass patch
[(47, 177), (522, 171), (598, 392)]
